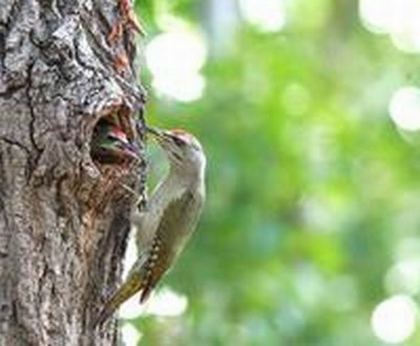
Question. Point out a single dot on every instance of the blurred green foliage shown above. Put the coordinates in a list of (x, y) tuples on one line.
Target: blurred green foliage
[(311, 188)]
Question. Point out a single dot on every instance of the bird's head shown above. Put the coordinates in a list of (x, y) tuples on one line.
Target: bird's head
[(111, 145), (184, 151)]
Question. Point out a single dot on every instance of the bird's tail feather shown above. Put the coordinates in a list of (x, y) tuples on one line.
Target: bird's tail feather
[(129, 288)]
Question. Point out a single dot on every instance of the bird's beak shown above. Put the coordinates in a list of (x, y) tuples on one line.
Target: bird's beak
[(154, 131), (163, 137), (158, 133)]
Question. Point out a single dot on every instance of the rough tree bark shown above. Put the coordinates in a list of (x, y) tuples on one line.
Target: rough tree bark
[(64, 65)]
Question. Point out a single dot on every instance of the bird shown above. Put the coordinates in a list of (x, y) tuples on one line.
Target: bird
[(111, 145), (168, 221)]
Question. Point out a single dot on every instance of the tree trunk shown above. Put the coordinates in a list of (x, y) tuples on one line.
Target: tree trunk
[(64, 217)]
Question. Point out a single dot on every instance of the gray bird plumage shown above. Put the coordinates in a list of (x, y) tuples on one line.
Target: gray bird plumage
[(173, 211)]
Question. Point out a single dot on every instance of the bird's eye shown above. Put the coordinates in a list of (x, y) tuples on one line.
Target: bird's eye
[(179, 142)]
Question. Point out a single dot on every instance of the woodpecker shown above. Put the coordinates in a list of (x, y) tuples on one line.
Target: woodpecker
[(170, 218), (111, 145)]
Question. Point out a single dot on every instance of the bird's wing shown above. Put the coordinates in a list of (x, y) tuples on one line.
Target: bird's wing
[(154, 261), (180, 218), (176, 225)]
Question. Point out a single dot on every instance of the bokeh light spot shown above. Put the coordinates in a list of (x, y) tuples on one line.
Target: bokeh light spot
[(377, 16), (266, 15), (185, 88), (406, 30), (394, 319), (130, 254), (164, 303), (398, 18), (175, 59), (130, 335), (167, 303), (405, 108), (404, 277)]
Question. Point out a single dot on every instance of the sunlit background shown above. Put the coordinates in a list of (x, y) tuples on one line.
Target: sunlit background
[(309, 111)]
